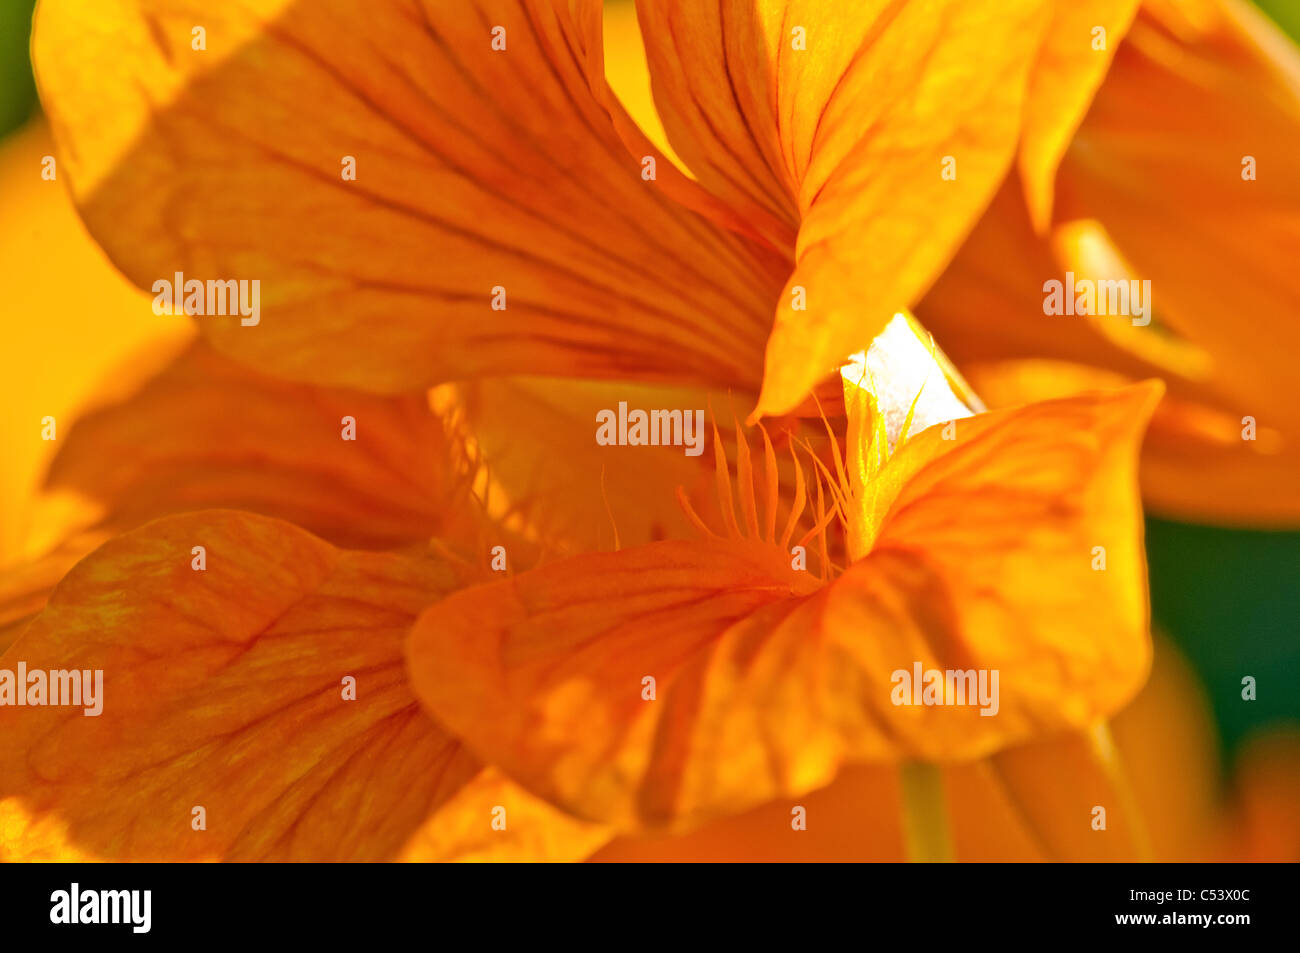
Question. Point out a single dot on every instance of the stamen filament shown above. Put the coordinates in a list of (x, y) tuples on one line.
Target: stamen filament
[(800, 500), (771, 482), (745, 485), (723, 474)]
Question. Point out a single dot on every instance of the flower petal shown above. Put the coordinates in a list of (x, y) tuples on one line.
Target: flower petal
[(492, 819), (551, 679), (550, 476), (1066, 75), (1012, 542), (761, 685), (1195, 463), (206, 432), (854, 819), (1222, 83), (224, 689), (73, 318), (1265, 823), (476, 169), (1154, 773), (26, 587), (1026, 803), (828, 125), (999, 274)]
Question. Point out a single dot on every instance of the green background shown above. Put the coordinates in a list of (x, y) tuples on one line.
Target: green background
[(17, 91), (1228, 598)]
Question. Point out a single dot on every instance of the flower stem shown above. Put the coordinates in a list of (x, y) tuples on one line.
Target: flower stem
[(925, 816)]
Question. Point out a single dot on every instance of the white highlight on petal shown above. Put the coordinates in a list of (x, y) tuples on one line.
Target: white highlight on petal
[(900, 364)]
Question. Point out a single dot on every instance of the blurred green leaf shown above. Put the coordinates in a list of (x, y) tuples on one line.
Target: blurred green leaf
[(1231, 600), (1285, 13), (17, 90)]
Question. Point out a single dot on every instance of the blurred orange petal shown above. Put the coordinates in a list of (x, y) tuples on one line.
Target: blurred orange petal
[(1264, 825), (1224, 86), (70, 319), (205, 432), (493, 820), (988, 304), (853, 819), (1195, 463), (1155, 774), (1211, 223)]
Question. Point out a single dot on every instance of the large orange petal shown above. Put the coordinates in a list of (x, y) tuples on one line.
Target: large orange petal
[(983, 559), (546, 672), (843, 142), (475, 169), (224, 689), (1016, 545), (206, 432)]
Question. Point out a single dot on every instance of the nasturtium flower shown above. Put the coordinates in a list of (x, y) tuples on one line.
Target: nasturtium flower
[(225, 668), (508, 218), (972, 545)]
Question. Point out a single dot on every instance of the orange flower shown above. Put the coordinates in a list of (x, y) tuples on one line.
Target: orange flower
[(262, 707), (350, 593), (973, 548)]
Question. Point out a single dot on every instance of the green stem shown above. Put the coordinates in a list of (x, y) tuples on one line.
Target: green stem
[(925, 815)]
